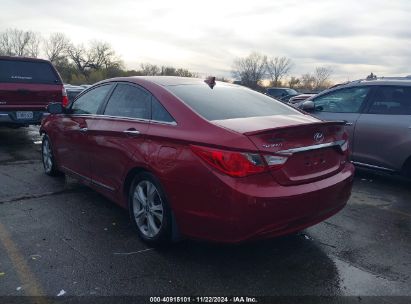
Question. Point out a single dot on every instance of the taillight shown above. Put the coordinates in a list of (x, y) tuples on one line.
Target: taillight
[(65, 100), (237, 164), (345, 147)]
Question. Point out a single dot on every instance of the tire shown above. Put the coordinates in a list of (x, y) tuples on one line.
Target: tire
[(151, 217), (49, 163)]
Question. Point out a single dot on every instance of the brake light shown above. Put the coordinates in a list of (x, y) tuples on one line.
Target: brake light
[(236, 164), (345, 147), (65, 100)]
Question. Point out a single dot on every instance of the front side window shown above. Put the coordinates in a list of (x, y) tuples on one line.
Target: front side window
[(129, 101), (89, 102), (347, 100), (391, 100)]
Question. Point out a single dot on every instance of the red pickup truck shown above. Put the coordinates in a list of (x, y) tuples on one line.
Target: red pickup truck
[(27, 86)]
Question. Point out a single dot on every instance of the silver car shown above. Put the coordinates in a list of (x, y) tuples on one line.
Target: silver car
[(378, 116)]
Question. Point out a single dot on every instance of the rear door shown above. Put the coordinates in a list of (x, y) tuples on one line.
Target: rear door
[(72, 141), (383, 132), (343, 104), (118, 135)]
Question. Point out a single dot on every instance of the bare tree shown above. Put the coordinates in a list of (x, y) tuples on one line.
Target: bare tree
[(293, 82), (251, 69), (321, 77), (78, 55), (185, 73), (149, 69), (307, 82), (33, 46), (98, 56), (102, 55), (168, 71), (5, 44), (56, 47), (14, 42), (277, 68)]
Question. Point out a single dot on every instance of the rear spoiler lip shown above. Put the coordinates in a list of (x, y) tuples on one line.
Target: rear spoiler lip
[(320, 123)]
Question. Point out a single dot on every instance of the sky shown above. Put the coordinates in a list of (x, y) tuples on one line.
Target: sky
[(353, 38)]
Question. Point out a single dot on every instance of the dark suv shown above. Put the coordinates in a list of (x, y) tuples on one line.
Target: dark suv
[(378, 116), (27, 86)]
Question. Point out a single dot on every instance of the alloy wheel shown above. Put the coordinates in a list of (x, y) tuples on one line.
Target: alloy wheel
[(148, 208), (47, 156)]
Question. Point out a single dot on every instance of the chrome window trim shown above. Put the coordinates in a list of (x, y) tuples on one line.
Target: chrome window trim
[(125, 118), (337, 143)]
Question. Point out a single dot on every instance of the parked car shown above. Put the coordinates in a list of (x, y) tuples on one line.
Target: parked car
[(378, 116), (72, 91), (27, 86), (301, 97), (282, 94), (212, 161)]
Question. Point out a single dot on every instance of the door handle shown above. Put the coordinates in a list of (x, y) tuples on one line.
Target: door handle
[(83, 130), (132, 132)]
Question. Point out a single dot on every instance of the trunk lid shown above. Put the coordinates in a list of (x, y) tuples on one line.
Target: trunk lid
[(28, 96), (28, 84), (313, 148)]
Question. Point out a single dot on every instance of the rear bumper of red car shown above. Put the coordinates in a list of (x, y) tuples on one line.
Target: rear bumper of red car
[(247, 210)]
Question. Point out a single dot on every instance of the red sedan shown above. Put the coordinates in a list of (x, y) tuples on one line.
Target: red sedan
[(200, 159)]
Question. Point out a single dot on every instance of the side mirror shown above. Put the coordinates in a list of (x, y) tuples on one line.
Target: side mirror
[(55, 108), (308, 106)]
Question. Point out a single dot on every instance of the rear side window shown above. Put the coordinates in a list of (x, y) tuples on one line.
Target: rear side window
[(27, 72), (129, 101), (391, 100), (159, 113), (228, 102), (90, 101)]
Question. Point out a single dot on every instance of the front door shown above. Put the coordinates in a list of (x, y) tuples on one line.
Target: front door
[(73, 145), (343, 104)]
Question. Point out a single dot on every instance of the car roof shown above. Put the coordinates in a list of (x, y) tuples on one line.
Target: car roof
[(403, 81), (387, 81), (165, 81), (19, 58)]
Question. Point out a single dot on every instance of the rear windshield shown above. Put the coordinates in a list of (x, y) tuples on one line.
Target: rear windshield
[(27, 72), (228, 101)]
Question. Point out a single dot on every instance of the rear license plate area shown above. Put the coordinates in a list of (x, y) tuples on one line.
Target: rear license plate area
[(24, 115)]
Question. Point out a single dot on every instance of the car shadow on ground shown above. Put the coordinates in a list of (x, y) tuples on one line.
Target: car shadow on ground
[(291, 265)]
